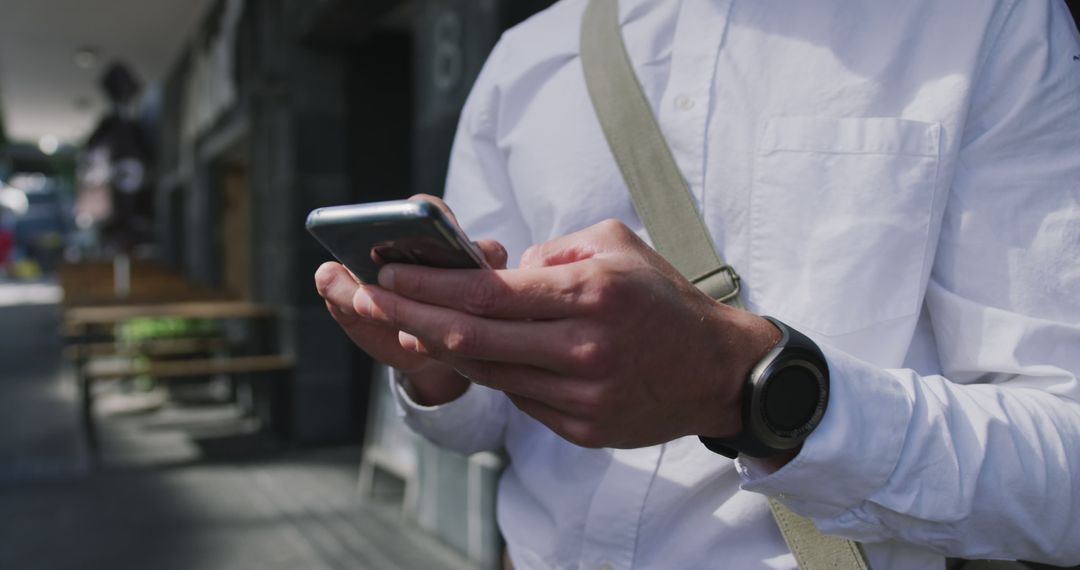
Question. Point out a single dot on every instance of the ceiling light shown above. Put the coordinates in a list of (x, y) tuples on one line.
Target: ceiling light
[(86, 58), (48, 144)]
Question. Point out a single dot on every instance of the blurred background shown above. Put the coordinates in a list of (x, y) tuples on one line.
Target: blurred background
[(172, 391)]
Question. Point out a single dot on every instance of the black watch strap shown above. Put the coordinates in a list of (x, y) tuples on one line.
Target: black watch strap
[(733, 446), (793, 346)]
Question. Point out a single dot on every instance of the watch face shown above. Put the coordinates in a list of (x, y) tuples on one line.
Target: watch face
[(791, 398), (791, 402)]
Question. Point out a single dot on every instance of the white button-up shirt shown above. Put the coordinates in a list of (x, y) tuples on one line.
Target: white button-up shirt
[(898, 180)]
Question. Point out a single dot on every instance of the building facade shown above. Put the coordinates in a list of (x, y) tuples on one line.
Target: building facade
[(277, 107)]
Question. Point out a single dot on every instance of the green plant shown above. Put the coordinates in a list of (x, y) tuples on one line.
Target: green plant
[(140, 330)]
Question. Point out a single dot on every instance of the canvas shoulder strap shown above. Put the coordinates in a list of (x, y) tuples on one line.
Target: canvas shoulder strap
[(660, 194), (666, 207)]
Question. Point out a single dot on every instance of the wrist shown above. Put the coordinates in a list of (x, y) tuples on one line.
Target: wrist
[(434, 385), (746, 338)]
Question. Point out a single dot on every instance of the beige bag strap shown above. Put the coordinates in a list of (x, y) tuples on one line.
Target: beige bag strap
[(666, 207), (813, 550), (660, 194)]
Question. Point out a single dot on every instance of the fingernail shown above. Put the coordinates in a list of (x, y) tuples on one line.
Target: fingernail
[(408, 341), (386, 278), (362, 303)]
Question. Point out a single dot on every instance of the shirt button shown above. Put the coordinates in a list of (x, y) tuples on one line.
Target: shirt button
[(605, 566), (684, 102)]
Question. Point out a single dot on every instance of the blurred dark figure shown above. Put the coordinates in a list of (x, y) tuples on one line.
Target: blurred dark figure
[(7, 239), (120, 157)]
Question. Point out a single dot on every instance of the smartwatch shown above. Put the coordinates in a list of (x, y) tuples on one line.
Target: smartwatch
[(783, 400)]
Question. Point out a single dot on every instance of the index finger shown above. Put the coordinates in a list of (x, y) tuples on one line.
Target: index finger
[(535, 293)]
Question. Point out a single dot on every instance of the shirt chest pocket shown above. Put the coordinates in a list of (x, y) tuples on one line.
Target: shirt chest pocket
[(840, 218)]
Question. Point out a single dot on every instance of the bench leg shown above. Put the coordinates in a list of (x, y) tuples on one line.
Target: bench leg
[(270, 398), (86, 405), (279, 405)]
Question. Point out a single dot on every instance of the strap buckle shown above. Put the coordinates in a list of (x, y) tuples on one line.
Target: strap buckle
[(714, 283)]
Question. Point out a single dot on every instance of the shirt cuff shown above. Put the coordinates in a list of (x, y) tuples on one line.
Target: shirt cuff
[(852, 452), (432, 421)]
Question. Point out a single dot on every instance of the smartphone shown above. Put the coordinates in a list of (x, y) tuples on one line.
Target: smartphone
[(364, 237)]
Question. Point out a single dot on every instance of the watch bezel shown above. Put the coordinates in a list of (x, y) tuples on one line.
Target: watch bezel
[(781, 358)]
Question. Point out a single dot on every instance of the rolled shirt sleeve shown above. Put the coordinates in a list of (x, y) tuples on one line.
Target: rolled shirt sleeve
[(981, 460), (980, 471)]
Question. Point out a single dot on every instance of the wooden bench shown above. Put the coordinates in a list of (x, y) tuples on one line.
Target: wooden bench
[(168, 369), (88, 329), (151, 348), (91, 283)]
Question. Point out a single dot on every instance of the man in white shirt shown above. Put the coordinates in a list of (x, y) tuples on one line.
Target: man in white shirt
[(898, 181)]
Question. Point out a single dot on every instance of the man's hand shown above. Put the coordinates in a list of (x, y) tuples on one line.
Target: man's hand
[(346, 299), (596, 336)]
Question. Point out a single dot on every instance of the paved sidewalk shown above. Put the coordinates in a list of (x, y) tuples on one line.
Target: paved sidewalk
[(39, 429), (298, 511), (175, 491)]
